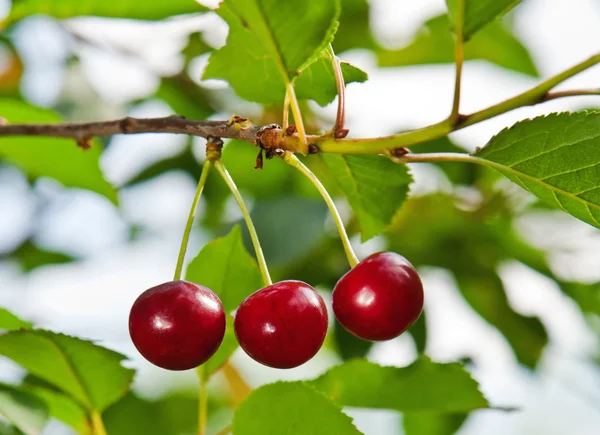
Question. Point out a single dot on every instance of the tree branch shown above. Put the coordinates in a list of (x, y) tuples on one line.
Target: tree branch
[(170, 124), (273, 138)]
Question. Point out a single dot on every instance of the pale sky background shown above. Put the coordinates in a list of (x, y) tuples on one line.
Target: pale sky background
[(91, 298)]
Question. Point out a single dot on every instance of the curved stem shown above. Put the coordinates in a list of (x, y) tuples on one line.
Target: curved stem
[(190, 221), (293, 160), (458, 59), (341, 91), (98, 424), (262, 264), (202, 400), (297, 116)]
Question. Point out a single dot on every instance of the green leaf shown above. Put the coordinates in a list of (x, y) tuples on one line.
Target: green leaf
[(422, 386), (484, 291), (90, 374), (60, 406), (375, 187), (288, 227), (133, 9), (224, 266), (30, 256), (26, 411), (9, 321), (479, 13), (52, 157), (355, 29), (434, 44), (555, 157), (133, 413), (270, 42), (425, 423), (228, 346), (317, 82), (290, 408), (7, 429)]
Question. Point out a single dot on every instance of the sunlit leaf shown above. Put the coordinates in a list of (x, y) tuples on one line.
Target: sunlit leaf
[(424, 386), (291, 408), (91, 374), (262, 54), (112, 9), (9, 322), (555, 157)]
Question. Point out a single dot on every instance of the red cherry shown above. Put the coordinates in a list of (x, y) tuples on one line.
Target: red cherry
[(282, 325), (379, 298), (177, 325)]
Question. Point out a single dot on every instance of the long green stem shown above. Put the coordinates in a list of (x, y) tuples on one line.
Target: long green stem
[(293, 160), (531, 97), (202, 400), (262, 264), (297, 116), (97, 423), (190, 221), (459, 25)]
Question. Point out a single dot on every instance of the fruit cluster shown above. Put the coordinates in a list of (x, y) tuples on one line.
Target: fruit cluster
[(179, 325)]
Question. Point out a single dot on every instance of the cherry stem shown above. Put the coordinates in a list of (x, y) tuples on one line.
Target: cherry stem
[(296, 163), (341, 90), (97, 423), (262, 263), (291, 94), (459, 55), (190, 221), (202, 400)]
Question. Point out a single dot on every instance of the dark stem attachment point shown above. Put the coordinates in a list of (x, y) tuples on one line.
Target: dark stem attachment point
[(214, 146)]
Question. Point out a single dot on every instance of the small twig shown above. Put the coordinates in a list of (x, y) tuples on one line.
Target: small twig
[(338, 128), (458, 60)]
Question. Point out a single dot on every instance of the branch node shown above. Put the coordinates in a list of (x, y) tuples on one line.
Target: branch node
[(340, 134), (127, 125), (214, 145), (313, 148), (259, 160), (399, 152), (85, 143), (291, 129)]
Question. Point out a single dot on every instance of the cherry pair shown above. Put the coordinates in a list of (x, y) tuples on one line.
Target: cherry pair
[(179, 325)]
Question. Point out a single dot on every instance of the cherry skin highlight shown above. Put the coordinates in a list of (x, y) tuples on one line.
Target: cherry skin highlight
[(379, 298), (282, 325), (177, 325)]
